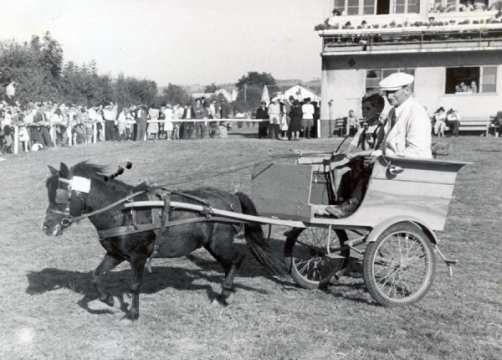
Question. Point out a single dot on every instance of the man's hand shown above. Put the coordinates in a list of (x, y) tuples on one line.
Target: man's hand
[(377, 153)]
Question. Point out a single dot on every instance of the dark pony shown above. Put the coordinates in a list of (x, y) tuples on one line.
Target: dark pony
[(136, 248)]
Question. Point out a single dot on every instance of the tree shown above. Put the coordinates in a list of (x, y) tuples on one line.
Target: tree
[(250, 88), (51, 56), (175, 94), (210, 88)]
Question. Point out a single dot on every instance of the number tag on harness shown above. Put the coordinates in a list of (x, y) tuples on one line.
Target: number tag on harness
[(80, 184)]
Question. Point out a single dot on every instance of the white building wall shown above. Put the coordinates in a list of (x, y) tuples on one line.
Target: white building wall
[(345, 88), (429, 86)]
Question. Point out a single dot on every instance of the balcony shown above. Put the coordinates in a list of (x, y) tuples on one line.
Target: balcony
[(444, 33)]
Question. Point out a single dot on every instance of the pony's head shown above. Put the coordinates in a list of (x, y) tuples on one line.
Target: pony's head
[(67, 190)]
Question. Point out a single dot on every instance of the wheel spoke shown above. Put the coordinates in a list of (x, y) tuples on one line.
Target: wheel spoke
[(400, 265)]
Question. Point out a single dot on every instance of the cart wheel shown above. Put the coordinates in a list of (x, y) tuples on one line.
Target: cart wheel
[(399, 266), (312, 264)]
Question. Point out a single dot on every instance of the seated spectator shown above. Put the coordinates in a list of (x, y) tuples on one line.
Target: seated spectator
[(453, 121), (440, 122), (474, 87)]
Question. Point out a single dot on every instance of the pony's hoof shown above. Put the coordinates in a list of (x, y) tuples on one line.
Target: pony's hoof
[(132, 315), (108, 300)]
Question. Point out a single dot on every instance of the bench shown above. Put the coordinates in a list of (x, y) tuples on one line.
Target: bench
[(474, 125)]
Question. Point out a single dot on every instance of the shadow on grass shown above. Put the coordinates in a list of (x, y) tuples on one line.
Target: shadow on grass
[(117, 283)]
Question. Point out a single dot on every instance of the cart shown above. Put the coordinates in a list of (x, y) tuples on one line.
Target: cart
[(391, 234)]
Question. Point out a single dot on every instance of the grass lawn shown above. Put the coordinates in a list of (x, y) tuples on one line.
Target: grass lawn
[(44, 278)]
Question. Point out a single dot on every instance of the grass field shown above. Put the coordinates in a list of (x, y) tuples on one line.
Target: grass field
[(44, 278)]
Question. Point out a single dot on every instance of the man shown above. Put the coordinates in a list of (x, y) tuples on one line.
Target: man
[(308, 118), (274, 114), (262, 114), (409, 126), (110, 117)]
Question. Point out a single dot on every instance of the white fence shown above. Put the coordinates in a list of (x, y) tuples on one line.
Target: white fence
[(71, 140)]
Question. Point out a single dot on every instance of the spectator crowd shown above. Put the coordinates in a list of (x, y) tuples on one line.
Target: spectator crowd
[(288, 119), (47, 124)]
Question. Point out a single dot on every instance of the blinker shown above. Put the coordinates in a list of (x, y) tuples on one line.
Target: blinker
[(62, 196)]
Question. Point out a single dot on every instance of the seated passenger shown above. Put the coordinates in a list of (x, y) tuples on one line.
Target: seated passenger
[(369, 137)]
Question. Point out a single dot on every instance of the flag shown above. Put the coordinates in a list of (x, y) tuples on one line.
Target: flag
[(264, 95)]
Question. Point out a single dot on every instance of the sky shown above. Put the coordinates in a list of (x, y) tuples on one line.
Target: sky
[(178, 41)]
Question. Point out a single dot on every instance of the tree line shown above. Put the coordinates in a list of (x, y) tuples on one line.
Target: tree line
[(40, 73)]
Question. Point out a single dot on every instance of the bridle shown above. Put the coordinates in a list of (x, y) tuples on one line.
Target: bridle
[(74, 204)]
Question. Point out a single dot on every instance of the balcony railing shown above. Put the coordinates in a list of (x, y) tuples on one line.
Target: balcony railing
[(412, 39)]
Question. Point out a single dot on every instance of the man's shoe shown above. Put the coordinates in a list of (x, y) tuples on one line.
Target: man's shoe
[(336, 211)]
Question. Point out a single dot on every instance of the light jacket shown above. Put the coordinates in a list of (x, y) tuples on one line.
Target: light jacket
[(411, 135)]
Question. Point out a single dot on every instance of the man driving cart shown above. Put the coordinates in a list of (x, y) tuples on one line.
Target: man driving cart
[(406, 132)]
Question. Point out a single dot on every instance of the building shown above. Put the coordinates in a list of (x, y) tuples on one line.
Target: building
[(299, 93), (452, 47)]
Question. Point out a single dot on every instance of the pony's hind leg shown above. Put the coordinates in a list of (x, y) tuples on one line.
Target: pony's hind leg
[(107, 264), (231, 261), (138, 269)]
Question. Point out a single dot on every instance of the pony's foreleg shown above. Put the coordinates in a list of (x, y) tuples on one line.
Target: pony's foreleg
[(107, 264), (138, 268)]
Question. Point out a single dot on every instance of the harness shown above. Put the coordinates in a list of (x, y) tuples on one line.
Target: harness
[(74, 201)]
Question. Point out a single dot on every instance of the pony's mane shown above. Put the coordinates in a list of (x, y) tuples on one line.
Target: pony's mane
[(98, 173), (87, 169)]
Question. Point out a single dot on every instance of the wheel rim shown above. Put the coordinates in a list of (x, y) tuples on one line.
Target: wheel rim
[(402, 266), (309, 256)]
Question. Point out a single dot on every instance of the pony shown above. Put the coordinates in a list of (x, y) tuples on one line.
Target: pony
[(103, 203)]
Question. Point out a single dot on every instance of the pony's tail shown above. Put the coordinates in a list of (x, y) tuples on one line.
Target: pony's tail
[(255, 239)]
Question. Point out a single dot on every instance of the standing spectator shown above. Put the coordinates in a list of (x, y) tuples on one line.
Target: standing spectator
[(153, 124), (284, 125), (317, 116), (141, 118), (295, 124), (308, 118), (453, 121), (58, 125), (262, 114), (168, 121), (110, 117), (122, 124), (200, 113), (352, 124), (186, 129), (40, 129), (274, 115)]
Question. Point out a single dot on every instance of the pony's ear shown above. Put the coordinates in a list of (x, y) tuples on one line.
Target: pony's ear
[(64, 171), (52, 170)]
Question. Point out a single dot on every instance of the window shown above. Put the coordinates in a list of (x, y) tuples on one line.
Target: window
[(489, 79), (471, 80), (374, 76), (352, 7), (371, 7)]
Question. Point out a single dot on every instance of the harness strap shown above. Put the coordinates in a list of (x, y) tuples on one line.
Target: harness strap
[(129, 230), (108, 207)]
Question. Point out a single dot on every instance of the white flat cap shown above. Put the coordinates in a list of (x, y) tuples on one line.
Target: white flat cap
[(396, 81)]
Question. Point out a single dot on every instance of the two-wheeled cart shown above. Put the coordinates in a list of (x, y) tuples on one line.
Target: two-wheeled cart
[(391, 234)]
